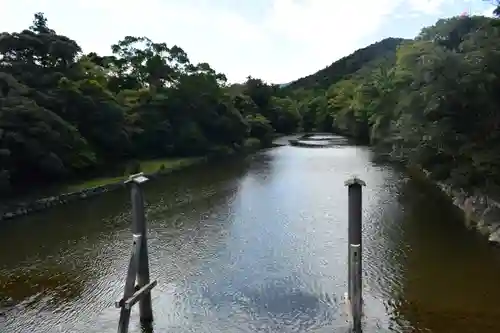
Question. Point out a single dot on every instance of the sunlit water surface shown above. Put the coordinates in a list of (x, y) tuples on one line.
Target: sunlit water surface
[(254, 245)]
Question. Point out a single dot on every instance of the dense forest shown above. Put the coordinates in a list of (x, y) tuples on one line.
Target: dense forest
[(64, 114), (431, 101), (434, 102), (370, 56)]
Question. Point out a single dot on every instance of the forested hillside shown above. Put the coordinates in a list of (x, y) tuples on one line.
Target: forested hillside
[(64, 113), (436, 104), (431, 101), (349, 65)]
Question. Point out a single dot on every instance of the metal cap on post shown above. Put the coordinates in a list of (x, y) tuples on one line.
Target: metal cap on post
[(137, 197), (137, 178)]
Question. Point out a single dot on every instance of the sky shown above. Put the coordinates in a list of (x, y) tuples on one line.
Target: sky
[(275, 40)]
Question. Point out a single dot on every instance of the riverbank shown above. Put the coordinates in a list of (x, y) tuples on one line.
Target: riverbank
[(96, 186), (480, 211), (279, 215)]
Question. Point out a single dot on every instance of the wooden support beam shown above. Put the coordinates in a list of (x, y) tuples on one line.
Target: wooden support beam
[(138, 269), (138, 294), (130, 283)]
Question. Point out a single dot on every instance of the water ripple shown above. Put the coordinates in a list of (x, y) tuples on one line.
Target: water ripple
[(251, 245)]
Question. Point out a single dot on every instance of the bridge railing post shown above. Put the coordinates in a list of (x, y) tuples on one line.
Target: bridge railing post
[(354, 269), (138, 269)]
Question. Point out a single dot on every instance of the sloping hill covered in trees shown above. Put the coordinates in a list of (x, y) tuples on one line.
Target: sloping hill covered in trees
[(435, 104), (348, 65), (431, 101)]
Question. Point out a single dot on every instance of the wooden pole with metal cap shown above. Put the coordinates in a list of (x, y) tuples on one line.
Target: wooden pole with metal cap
[(355, 250), (138, 269)]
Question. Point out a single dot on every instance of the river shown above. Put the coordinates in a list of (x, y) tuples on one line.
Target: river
[(255, 244)]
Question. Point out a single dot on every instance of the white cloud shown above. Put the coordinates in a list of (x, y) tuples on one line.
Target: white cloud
[(324, 30), (427, 6), (292, 39), (207, 33), (488, 12)]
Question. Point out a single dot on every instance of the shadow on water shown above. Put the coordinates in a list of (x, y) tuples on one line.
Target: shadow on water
[(254, 245), (263, 167), (274, 305), (450, 277), (21, 289), (64, 259), (72, 222), (89, 219)]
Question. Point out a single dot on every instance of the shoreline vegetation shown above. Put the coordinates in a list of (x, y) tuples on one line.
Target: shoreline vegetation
[(91, 187), (83, 189), (430, 102), (479, 211), (87, 120)]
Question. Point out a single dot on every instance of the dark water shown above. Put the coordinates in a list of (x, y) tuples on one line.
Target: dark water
[(254, 245)]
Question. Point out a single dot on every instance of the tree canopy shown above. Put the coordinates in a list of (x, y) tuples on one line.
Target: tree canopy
[(338, 70), (64, 113), (433, 102), (430, 101)]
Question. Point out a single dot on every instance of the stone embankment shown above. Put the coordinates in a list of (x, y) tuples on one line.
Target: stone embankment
[(481, 212), (17, 209), (24, 208)]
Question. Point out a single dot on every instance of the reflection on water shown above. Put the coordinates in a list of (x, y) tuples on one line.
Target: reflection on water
[(255, 244), (450, 282), (29, 287)]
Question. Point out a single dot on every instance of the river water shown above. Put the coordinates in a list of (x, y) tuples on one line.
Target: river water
[(255, 245)]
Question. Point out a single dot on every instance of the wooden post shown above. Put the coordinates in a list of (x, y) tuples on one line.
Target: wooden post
[(355, 250), (138, 268), (129, 286), (356, 287), (139, 227)]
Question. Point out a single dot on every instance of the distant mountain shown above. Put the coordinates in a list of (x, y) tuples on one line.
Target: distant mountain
[(365, 57)]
